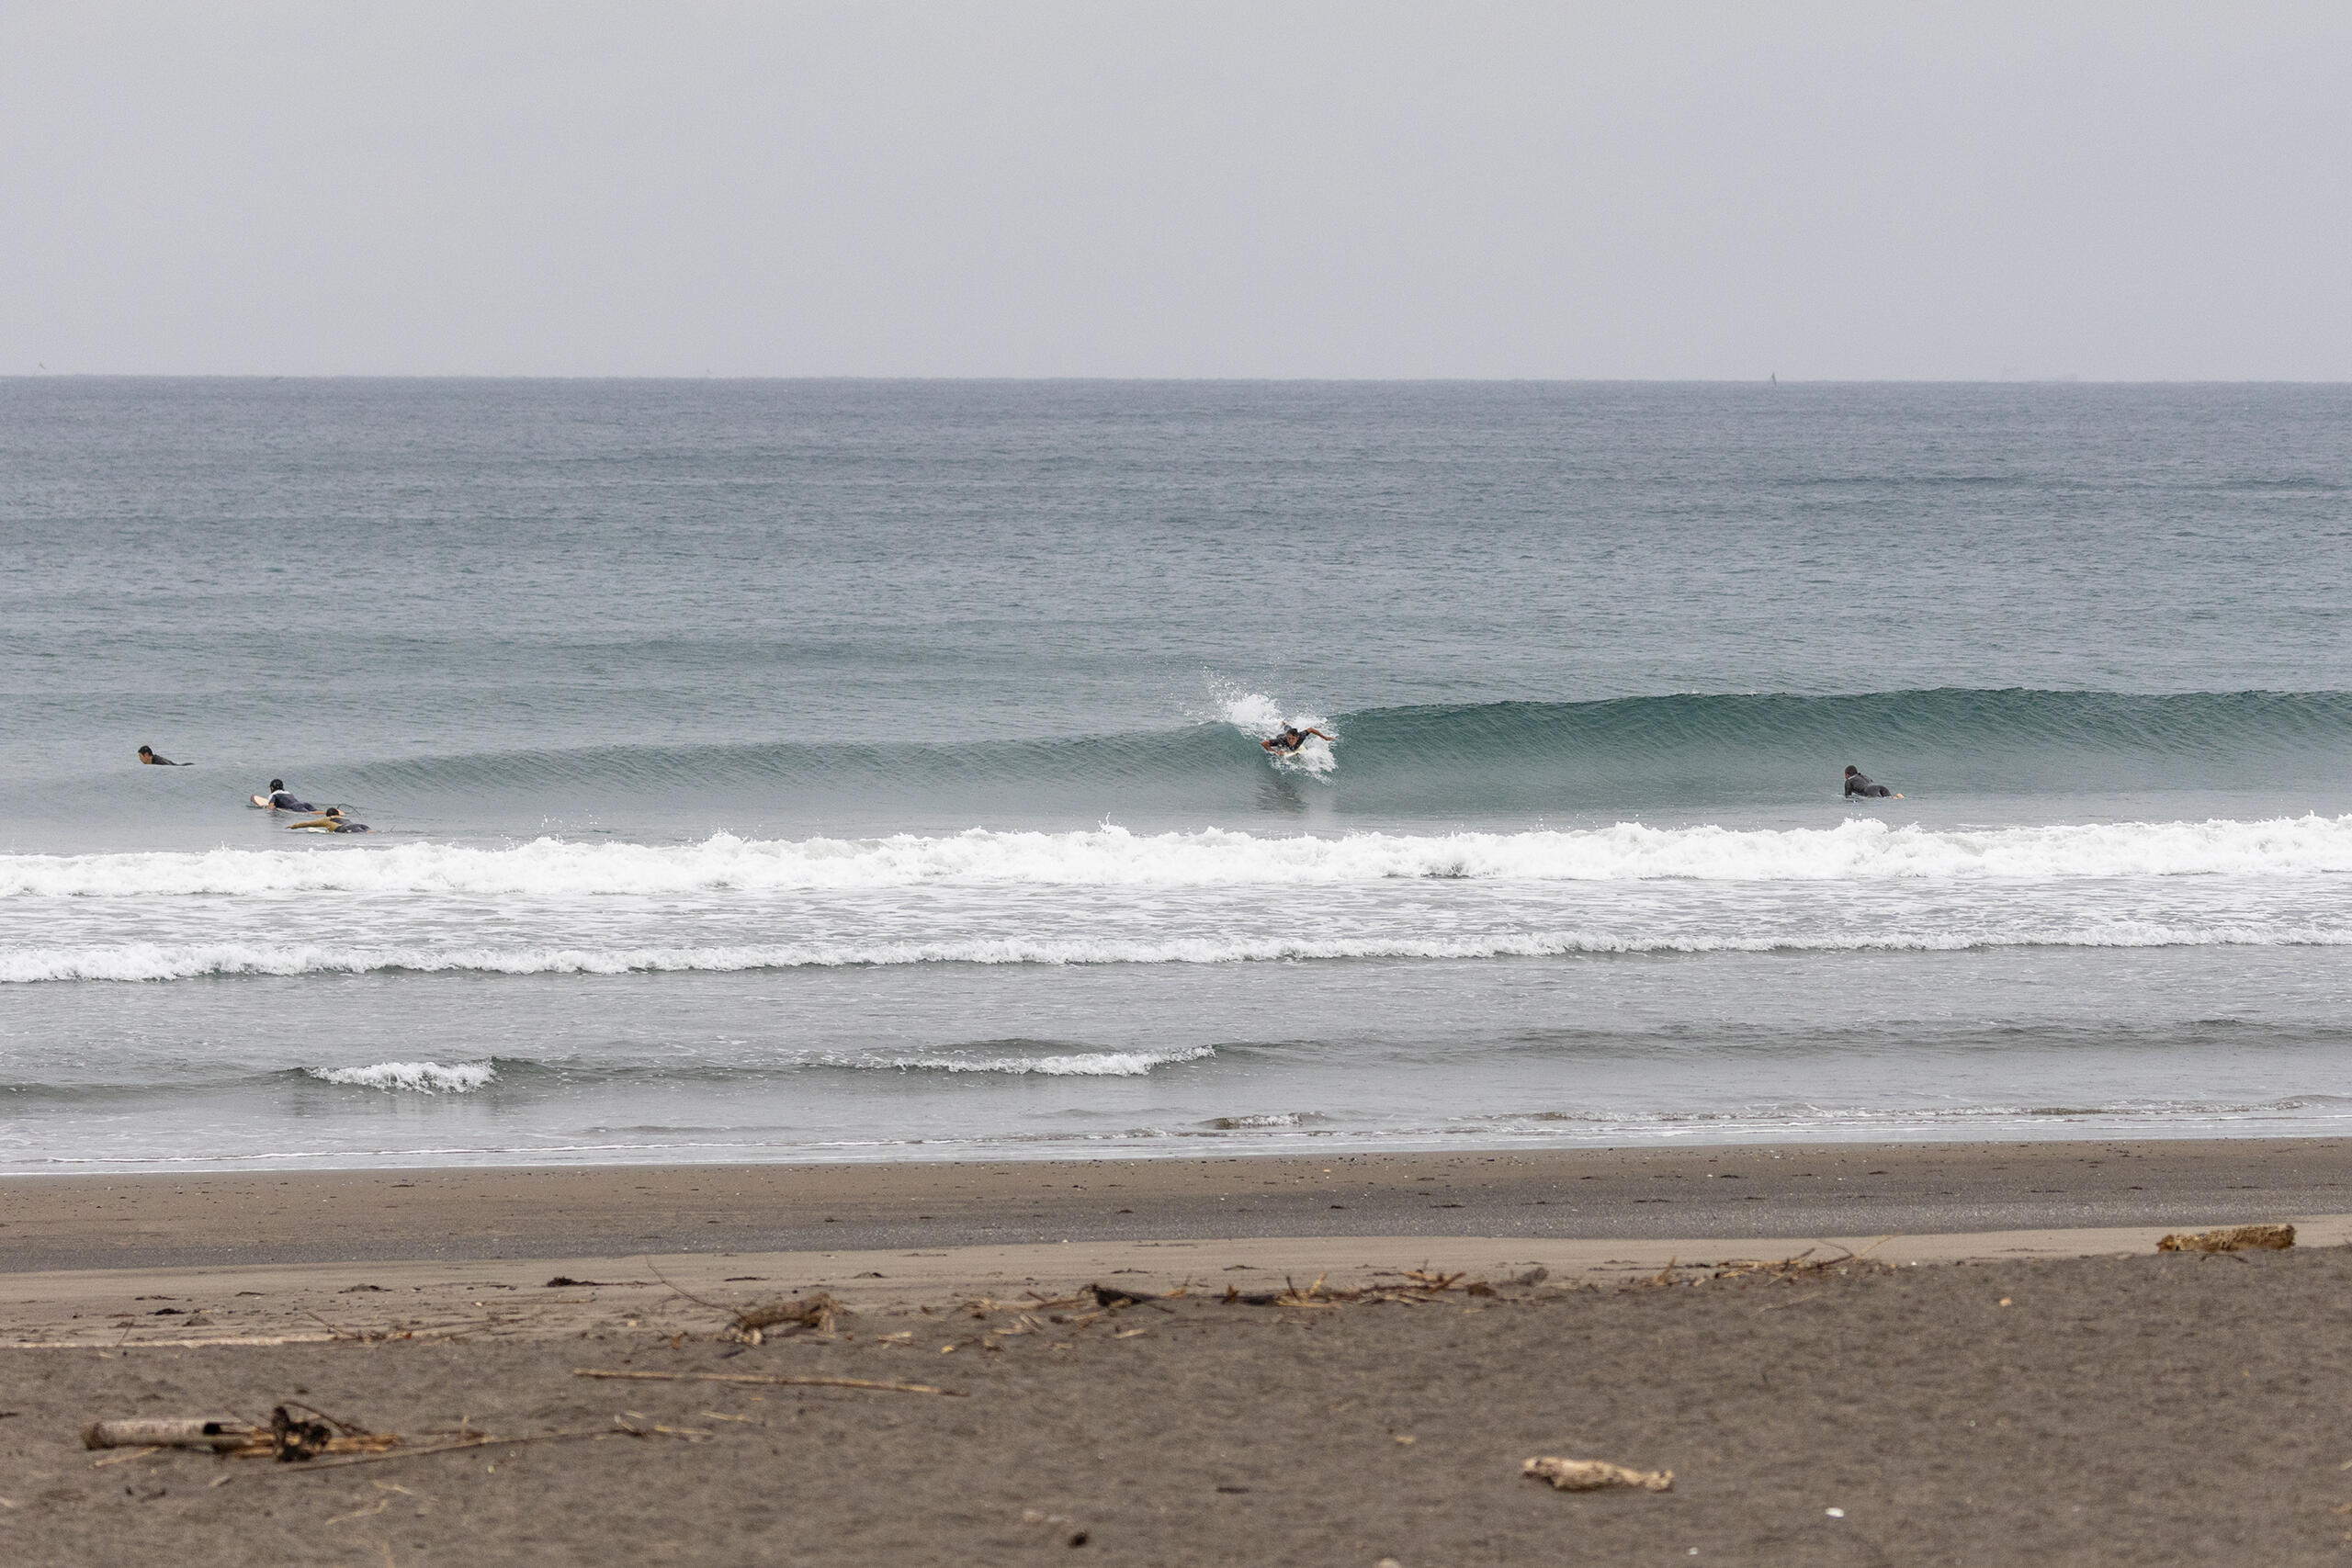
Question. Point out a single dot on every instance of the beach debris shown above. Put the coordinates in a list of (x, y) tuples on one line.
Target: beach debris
[(1419, 1285), (1595, 1475), (287, 1438), (2237, 1239), (1113, 1296), (765, 1379), (814, 1314), (1788, 1270)]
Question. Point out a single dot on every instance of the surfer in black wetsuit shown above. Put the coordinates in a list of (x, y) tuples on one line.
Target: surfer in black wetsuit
[(147, 755), (279, 800), (1858, 783), (1287, 744)]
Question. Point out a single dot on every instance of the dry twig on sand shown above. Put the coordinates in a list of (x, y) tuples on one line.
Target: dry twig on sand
[(493, 1440), (1788, 1270), (814, 1314), (1595, 1474), (2240, 1238), (765, 1379)]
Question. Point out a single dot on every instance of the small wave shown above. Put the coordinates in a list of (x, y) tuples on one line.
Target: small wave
[(414, 1078), (1090, 1064), (1263, 1122), (154, 961)]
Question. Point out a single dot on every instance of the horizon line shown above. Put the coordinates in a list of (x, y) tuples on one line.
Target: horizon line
[(1768, 380)]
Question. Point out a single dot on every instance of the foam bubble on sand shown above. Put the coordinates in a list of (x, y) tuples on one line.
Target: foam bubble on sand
[(414, 1077)]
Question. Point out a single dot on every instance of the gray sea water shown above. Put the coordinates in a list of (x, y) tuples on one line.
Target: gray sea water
[(845, 770)]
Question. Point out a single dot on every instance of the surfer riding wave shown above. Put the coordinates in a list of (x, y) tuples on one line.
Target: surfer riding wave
[(1288, 742)]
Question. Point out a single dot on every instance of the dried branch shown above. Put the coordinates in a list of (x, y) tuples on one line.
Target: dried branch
[(766, 1379)]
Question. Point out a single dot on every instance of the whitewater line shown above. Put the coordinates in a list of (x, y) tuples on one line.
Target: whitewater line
[(1110, 857)]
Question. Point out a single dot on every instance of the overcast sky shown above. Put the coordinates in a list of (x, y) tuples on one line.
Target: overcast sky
[(1982, 191)]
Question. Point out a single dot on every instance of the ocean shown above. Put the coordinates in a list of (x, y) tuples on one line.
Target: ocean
[(839, 771)]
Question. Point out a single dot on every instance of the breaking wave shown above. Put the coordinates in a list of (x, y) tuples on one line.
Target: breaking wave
[(1858, 849), (414, 1077)]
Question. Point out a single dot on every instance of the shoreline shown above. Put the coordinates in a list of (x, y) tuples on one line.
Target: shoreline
[(75, 1223)]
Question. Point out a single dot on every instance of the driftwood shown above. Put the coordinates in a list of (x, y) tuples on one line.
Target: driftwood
[(287, 1438), (2241, 1238), (813, 1313), (1594, 1475), (192, 1433)]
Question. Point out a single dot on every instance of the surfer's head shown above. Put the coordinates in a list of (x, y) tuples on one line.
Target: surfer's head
[(280, 783), (1851, 770), (146, 750)]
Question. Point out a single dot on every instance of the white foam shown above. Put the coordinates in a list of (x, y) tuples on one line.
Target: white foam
[(416, 1077), (1091, 1063), (150, 961), (1857, 850), (1254, 714)]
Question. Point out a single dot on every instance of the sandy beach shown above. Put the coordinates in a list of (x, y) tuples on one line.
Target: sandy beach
[(2008, 1373)]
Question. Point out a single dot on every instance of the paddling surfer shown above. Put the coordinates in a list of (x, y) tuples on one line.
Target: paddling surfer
[(1859, 782), (147, 755), (331, 820), (280, 799)]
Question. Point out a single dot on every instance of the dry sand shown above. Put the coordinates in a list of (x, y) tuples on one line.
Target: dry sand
[(2123, 1408)]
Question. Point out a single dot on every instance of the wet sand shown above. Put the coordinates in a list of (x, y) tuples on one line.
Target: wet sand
[(61, 1223), (2038, 1392)]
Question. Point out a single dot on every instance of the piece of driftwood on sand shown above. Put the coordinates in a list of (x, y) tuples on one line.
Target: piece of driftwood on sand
[(2237, 1239), (1595, 1474)]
